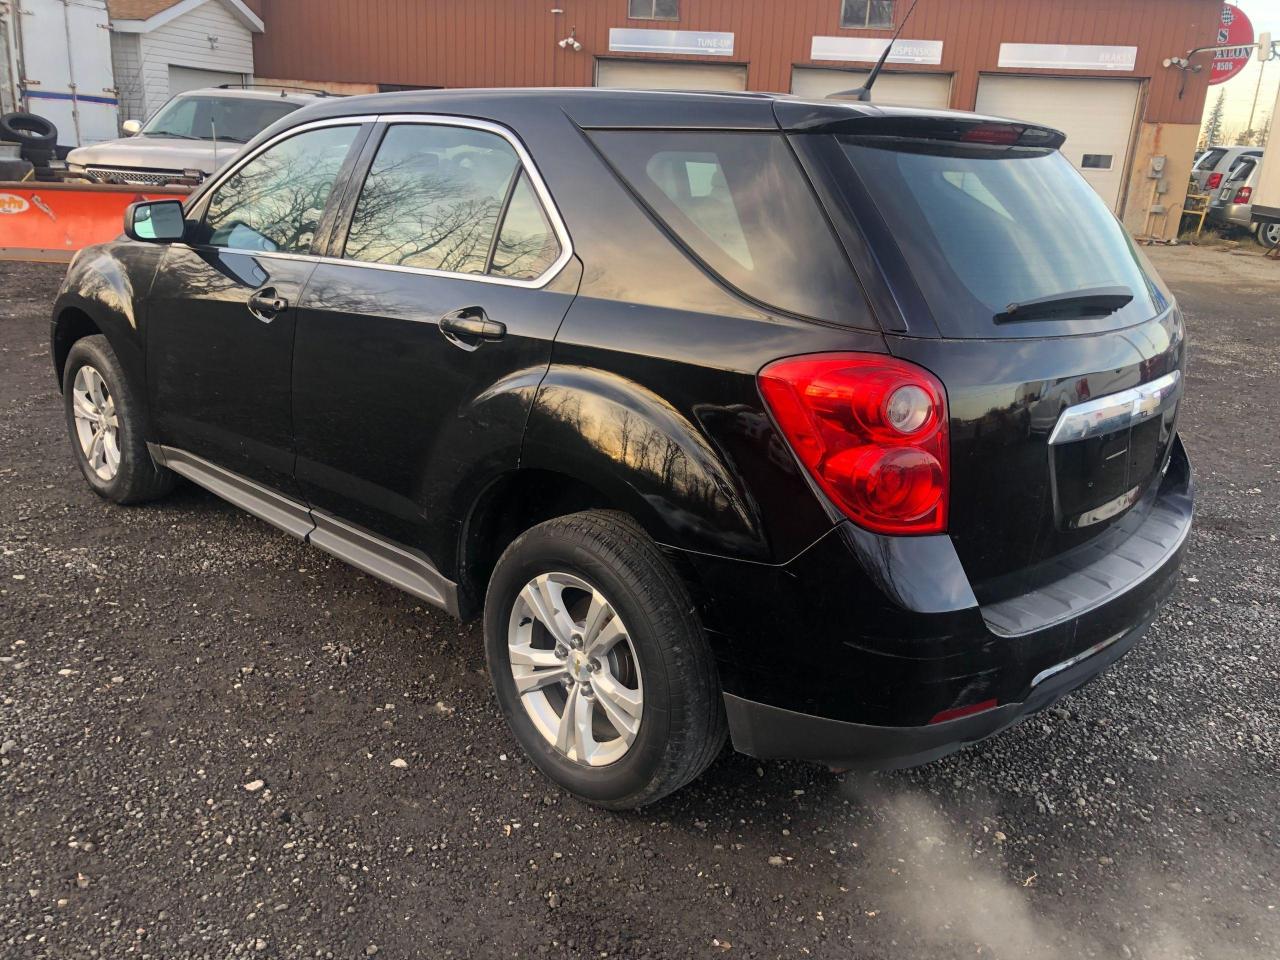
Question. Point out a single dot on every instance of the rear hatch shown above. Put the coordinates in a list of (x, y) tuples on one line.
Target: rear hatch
[(1007, 276)]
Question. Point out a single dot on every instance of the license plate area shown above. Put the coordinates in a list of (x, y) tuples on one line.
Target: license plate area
[(1104, 453)]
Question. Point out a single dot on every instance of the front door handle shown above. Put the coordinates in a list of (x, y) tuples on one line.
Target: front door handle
[(266, 304), (471, 326)]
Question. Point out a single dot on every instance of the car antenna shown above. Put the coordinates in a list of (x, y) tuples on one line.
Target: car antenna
[(863, 93)]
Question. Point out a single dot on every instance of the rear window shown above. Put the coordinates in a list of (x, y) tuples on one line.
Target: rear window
[(1210, 159), (740, 203), (984, 228)]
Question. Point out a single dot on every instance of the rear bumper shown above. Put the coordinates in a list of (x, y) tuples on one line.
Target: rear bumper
[(764, 731), (852, 653)]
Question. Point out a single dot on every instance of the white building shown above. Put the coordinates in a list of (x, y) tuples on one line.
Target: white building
[(163, 47)]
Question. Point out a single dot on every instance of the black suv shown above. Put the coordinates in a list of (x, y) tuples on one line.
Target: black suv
[(847, 432)]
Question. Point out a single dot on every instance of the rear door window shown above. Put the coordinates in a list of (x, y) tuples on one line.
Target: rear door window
[(740, 204), (453, 199), (1210, 159), (984, 228)]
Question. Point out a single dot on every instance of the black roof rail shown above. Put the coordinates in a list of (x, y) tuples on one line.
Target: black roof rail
[(282, 87)]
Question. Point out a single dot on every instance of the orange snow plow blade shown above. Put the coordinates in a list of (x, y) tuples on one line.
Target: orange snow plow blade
[(51, 221)]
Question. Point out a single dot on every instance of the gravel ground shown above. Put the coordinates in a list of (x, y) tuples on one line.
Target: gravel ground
[(218, 742)]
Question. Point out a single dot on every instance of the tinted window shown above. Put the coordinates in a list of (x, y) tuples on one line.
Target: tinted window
[(234, 119), (432, 198), (866, 13), (526, 245), (1211, 158), (742, 205), (982, 228), (275, 201), (653, 9)]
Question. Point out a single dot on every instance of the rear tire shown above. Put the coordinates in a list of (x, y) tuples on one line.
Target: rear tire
[(658, 667), (107, 426), (1268, 234)]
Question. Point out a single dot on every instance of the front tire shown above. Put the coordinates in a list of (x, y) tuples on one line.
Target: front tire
[(106, 422), (599, 663), (1268, 234)]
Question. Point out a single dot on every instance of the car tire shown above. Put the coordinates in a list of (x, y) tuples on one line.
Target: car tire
[(655, 654), (28, 129), (1267, 234), (106, 422)]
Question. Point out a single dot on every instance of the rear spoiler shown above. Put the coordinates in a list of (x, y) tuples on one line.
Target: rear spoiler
[(858, 119)]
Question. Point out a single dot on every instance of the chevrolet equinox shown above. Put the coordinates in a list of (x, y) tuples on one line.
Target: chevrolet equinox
[(841, 431)]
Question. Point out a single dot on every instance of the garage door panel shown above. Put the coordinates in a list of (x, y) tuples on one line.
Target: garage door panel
[(1097, 115), (654, 75), (928, 90), (182, 79)]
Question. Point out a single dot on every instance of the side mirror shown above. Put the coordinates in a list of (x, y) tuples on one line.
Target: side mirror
[(132, 127), (154, 221)]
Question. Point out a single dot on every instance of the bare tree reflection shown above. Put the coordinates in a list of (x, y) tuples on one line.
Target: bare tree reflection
[(276, 200)]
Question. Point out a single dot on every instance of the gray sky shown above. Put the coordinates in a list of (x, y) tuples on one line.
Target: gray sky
[(1239, 90)]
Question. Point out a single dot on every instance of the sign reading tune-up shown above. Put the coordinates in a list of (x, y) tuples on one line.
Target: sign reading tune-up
[(626, 40), (1235, 28)]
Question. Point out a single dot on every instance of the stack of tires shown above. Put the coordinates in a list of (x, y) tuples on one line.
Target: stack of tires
[(37, 141)]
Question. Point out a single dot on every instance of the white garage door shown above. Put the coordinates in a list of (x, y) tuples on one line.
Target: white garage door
[(650, 75), (929, 90), (182, 79), (1096, 115)]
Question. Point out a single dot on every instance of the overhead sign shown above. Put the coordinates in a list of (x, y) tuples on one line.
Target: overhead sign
[(626, 40), (1236, 32), (1067, 56), (868, 50)]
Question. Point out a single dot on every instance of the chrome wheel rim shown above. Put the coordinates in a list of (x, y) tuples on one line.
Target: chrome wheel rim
[(97, 426), (575, 669)]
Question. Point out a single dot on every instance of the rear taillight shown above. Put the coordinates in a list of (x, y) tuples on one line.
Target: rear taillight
[(872, 431), (1214, 181), (1243, 195), (998, 133)]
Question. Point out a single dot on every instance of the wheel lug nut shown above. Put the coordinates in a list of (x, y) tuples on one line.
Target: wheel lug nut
[(595, 666), (576, 640), (562, 651), (588, 691)]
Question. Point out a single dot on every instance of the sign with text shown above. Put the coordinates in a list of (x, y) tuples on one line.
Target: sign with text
[(626, 40), (1234, 28), (1067, 56), (868, 50)]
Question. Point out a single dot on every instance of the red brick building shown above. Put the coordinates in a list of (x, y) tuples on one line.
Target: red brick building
[(1093, 68)]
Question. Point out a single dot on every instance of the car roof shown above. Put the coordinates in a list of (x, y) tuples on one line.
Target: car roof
[(597, 107)]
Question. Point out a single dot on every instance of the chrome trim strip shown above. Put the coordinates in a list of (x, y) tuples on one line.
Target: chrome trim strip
[(1117, 411), (1067, 664), (526, 163)]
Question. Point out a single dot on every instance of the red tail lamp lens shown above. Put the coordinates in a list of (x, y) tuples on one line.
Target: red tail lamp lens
[(872, 431), (1214, 181), (997, 133), (1243, 194), (955, 713)]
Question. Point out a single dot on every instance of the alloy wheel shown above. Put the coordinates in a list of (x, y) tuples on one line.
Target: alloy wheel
[(575, 669), (97, 425)]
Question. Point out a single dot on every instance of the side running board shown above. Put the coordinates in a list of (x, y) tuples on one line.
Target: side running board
[(400, 566)]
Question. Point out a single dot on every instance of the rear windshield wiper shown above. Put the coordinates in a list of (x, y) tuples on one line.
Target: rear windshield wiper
[(1090, 302)]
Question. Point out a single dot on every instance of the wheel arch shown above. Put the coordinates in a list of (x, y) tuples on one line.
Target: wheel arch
[(70, 324)]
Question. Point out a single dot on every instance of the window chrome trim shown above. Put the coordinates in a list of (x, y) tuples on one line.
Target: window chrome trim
[(1117, 411), (430, 119)]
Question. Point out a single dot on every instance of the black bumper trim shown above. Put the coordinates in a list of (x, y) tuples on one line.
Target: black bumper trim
[(768, 732)]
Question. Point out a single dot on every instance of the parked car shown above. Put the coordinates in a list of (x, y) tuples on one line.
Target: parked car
[(850, 431), (1232, 205), (1217, 163), (188, 138)]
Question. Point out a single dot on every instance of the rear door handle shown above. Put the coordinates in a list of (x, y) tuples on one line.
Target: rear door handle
[(471, 326), (266, 304)]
